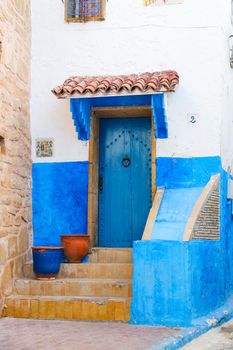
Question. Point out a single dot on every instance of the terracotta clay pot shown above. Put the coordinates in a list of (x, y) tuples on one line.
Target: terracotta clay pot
[(76, 247), (46, 262)]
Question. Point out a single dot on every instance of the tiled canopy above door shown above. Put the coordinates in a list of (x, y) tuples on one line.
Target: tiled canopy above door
[(123, 90)]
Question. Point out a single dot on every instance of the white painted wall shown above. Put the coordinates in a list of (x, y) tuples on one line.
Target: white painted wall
[(226, 98), (190, 38)]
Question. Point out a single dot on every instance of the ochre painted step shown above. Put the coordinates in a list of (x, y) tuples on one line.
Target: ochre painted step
[(75, 287), (89, 270), (99, 290), (111, 255), (72, 308)]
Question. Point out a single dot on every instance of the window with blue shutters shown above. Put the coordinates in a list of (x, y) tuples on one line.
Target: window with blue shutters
[(84, 10)]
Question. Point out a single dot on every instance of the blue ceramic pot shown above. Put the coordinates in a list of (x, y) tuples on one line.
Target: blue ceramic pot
[(46, 261)]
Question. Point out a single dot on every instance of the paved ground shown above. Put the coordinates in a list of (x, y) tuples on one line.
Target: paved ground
[(22, 334), (220, 338)]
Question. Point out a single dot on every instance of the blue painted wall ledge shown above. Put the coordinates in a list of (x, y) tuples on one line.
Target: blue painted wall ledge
[(175, 282), (183, 180), (174, 212)]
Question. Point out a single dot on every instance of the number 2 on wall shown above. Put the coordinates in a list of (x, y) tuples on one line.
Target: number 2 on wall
[(193, 119)]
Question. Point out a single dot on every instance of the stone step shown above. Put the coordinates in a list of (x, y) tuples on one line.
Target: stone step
[(89, 270), (75, 287), (71, 308), (111, 255)]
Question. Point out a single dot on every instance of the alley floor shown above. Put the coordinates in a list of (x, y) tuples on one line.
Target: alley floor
[(24, 334), (220, 338)]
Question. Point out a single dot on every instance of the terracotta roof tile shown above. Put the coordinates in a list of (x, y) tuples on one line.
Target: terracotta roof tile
[(163, 81)]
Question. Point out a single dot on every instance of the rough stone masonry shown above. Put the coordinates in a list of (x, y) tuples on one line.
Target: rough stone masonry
[(15, 154)]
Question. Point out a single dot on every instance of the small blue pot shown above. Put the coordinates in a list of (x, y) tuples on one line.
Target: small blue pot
[(46, 262)]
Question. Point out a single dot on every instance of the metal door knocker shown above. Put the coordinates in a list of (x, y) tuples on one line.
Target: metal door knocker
[(126, 161)]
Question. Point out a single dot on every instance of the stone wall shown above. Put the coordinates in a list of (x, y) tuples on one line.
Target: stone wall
[(15, 143), (207, 225)]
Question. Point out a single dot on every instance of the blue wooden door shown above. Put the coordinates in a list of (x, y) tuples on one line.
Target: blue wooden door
[(124, 180)]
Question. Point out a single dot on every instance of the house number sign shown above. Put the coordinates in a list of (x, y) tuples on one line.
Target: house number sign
[(44, 147), (192, 118)]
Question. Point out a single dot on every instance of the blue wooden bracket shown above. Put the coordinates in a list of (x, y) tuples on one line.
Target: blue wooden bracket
[(81, 110), (159, 114)]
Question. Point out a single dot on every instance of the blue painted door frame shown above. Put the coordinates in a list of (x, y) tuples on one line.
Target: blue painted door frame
[(124, 180)]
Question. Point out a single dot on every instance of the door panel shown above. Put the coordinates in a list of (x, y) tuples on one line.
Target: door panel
[(125, 169), (141, 175)]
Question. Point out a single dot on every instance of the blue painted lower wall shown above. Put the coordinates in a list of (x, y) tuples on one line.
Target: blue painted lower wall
[(174, 282), (205, 266), (174, 172), (226, 219), (59, 195), (60, 192)]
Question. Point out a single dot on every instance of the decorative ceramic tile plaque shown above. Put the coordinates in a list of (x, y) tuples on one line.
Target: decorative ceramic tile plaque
[(44, 147)]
